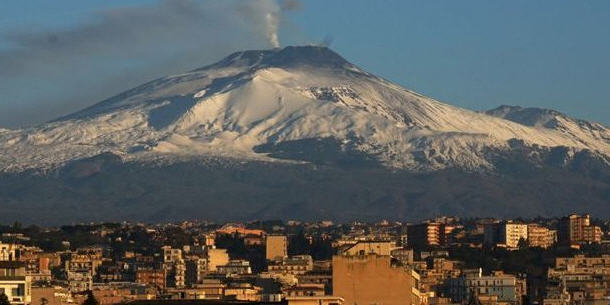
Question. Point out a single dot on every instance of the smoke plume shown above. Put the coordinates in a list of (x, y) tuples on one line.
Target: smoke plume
[(49, 73), (272, 25)]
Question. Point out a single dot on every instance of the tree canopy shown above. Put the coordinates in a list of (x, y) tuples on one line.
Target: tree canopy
[(4, 299)]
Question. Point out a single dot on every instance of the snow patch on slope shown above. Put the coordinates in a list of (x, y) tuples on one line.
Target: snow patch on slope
[(254, 98)]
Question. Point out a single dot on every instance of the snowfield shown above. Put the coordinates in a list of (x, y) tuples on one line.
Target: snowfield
[(254, 98)]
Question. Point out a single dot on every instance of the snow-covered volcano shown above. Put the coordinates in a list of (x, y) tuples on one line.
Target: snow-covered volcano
[(251, 102)]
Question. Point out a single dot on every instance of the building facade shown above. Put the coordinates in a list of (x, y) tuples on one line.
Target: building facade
[(505, 234), (372, 279), (504, 288), (15, 283), (276, 247), (429, 234), (540, 236), (577, 229)]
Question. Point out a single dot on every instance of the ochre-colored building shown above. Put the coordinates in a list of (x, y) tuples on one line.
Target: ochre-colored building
[(372, 279), (276, 247)]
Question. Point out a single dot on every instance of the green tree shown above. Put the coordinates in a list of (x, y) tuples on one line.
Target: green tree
[(91, 300), (4, 299)]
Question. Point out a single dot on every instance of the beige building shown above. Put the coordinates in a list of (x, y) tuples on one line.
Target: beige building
[(298, 264), (7, 252), (171, 255), (434, 273), (577, 229), (372, 279), (151, 277), (578, 280), (216, 257), (592, 234), (583, 264), (243, 292), (539, 236), (15, 283), (276, 247)]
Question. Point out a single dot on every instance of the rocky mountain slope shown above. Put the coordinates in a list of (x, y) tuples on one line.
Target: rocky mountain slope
[(298, 132), (250, 103)]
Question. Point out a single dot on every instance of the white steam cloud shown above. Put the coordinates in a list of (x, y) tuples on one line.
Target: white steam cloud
[(272, 29), (273, 17)]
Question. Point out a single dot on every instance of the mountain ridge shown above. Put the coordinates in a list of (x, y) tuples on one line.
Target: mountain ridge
[(255, 98), (298, 132)]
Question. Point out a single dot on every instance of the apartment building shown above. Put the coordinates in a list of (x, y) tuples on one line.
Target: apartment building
[(578, 280), (235, 267), (540, 236), (216, 257), (428, 234), (151, 277), (504, 288), (276, 247), (373, 279), (196, 270), (298, 264), (15, 283), (505, 234), (577, 229)]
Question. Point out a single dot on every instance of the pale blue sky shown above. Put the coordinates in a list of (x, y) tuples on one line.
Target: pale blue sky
[(474, 54)]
